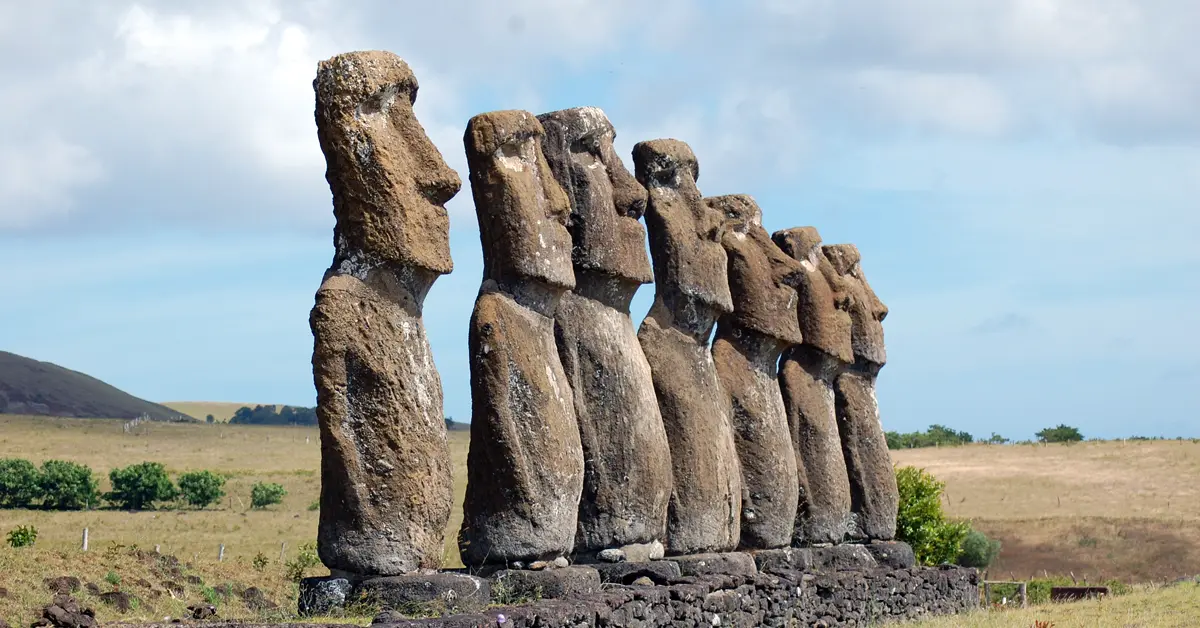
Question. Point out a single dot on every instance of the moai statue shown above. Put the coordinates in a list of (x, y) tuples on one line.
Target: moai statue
[(872, 479), (627, 463), (385, 465), (807, 374), (692, 291), (525, 464), (746, 351)]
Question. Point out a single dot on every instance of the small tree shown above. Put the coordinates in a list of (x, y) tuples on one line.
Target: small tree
[(68, 486), (201, 488), (18, 483), (920, 521), (138, 486), (210, 419), (22, 536), (264, 494), (997, 439), (1060, 434)]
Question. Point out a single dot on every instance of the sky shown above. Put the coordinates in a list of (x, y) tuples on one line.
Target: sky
[(1021, 176)]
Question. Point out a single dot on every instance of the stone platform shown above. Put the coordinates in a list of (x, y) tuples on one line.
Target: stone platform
[(842, 585)]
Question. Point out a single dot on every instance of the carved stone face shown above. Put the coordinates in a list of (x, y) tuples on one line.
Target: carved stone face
[(866, 310), (521, 208), (606, 200), (761, 277), (389, 181), (685, 233), (823, 300)]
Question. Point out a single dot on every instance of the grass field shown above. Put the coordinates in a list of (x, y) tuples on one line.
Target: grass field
[(1175, 606), (1100, 510), (222, 411)]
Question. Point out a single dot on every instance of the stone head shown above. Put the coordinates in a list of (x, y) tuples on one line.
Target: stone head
[(685, 233), (823, 304), (521, 208), (866, 310), (762, 280), (389, 182), (606, 200)]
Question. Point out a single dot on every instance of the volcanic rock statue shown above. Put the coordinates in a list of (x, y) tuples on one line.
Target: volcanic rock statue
[(627, 463), (692, 292), (525, 464), (807, 375), (385, 465), (746, 351), (875, 497)]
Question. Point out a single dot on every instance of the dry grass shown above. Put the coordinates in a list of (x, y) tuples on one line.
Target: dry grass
[(221, 410), (1124, 510), (1151, 607)]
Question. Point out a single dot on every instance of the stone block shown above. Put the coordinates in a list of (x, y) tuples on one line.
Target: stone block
[(892, 554), (435, 593), (728, 563), (789, 558), (323, 595), (658, 571), (842, 558), (517, 584)]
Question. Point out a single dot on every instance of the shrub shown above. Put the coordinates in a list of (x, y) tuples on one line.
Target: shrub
[(18, 483), (201, 488), (138, 486), (1060, 434), (261, 561), (978, 550), (263, 494), (935, 436), (316, 505), (22, 536), (68, 486), (307, 558), (920, 521)]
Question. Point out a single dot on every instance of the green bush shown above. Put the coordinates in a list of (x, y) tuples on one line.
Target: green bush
[(920, 521), (264, 494), (307, 558), (138, 486), (201, 488), (18, 483), (22, 536), (978, 550), (1060, 434), (935, 436), (68, 486)]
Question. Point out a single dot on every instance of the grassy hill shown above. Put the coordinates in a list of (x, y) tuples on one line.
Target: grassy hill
[(31, 387)]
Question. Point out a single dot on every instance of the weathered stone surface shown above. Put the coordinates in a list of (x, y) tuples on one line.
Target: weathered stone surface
[(514, 584), (806, 375), (848, 556), (875, 497), (322, 595), (627, 463), (436, 592), (692, 292), (790, 558), (525, 463), (725, 563), (385, 466), (746, 352), (892, 554), (658, 571)]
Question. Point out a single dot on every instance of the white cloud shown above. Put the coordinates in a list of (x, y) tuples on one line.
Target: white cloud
[(39, 177), (959, 103)]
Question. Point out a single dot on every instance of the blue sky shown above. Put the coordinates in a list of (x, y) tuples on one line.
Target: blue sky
[(1022, 177)]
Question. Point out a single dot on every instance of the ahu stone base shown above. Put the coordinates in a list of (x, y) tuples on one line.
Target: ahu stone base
[(661, 593)]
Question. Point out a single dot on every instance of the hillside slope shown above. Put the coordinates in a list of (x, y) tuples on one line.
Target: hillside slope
[(28, 386)]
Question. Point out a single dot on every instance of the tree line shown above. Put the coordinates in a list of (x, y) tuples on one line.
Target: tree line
[(942, 436), (64, 485)]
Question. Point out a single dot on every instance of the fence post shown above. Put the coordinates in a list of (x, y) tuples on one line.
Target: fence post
[(987, 594), (282, 548), (85, 539), (1024, 595), (157, 548), (221, 553)]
